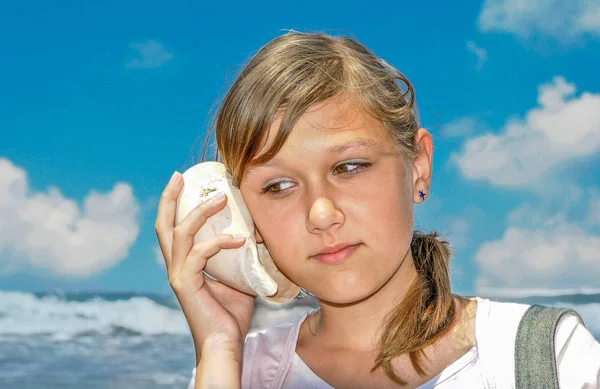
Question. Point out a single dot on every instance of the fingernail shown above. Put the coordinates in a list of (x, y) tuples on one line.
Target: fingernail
[(239, 236), (175, 177)]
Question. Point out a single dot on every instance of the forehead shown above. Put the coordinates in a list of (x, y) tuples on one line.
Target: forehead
[(330, 126)]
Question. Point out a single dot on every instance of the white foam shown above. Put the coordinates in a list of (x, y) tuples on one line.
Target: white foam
[(170, 379), (533, 292), (26, 314)]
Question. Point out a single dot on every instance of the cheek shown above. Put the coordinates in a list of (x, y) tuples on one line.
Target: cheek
[(390, 200), (282, 229), (390, 216), (283, 233)]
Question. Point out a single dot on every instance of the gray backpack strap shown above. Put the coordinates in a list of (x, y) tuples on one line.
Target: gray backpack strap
[(535, 357)]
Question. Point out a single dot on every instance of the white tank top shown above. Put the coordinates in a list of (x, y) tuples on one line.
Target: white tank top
[(271, 362)]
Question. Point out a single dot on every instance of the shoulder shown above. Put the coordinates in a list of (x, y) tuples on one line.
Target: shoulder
[(501, 311), (577, 355), (269, 340), (577, 352), (266, 353), (496, 331), (497, 322)]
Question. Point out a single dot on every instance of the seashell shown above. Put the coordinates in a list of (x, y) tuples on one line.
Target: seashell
[(249, 268)]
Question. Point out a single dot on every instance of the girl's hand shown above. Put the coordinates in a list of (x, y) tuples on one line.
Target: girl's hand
[(213, 311)]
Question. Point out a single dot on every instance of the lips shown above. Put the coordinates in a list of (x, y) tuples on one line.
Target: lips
[(336, 257), (334, 249)]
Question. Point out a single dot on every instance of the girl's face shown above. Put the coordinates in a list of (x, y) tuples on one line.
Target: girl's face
[(337, 179)]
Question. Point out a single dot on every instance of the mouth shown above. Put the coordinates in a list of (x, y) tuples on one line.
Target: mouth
[(337, 254)]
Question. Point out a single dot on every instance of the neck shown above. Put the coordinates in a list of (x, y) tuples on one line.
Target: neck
[(357, 326)]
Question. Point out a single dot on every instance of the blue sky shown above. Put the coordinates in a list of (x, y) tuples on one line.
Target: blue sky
[(101, 101)]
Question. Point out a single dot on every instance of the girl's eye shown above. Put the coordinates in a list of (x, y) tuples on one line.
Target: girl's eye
[(358, 166), (348, 168), (274, 188)]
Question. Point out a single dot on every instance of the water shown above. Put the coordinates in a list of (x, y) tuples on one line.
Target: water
[(131, 341)]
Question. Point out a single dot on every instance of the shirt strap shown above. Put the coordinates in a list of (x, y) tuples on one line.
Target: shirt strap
[(535, 356)]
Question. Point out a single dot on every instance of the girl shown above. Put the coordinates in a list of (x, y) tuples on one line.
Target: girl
[(325, 146)]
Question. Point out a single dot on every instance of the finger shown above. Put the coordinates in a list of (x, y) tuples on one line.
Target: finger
[(165, 217), (184, 232), (202, 251)]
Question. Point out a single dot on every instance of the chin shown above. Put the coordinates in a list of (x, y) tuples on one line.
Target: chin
[(346, 295)]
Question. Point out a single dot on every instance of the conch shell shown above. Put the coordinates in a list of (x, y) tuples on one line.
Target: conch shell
[(249, 268)]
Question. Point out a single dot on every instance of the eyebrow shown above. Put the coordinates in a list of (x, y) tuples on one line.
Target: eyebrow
[(369, 144), (360, 143)]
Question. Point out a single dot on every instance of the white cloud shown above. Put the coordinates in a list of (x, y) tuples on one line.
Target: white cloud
[(560, 19), (528, 151), (152, 55), (46, 231), (461, 127), (479, 52), (560, 255), (535, 216), (544, 252), (593, 213), (460, 232)]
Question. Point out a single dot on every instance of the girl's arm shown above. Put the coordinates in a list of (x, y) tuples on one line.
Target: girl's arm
[(218, 367)]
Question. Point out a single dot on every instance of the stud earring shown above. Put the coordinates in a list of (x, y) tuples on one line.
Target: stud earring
[(422, 194)]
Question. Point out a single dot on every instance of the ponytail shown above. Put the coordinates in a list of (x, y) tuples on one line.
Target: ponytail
[(427, 311)]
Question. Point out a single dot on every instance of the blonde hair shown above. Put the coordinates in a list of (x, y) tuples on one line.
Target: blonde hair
[(288, 75)]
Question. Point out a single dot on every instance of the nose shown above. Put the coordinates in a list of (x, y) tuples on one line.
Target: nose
[(323, 215)]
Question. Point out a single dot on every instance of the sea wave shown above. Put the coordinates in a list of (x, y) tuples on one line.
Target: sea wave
[(63, 316), (521, 293)]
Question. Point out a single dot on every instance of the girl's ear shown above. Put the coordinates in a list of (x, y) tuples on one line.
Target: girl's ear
[(422, 165)]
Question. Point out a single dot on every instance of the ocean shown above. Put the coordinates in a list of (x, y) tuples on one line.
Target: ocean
[(134, 341)]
